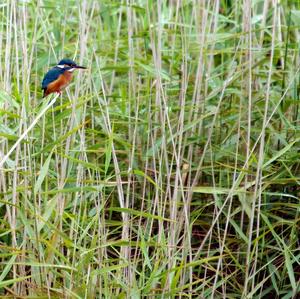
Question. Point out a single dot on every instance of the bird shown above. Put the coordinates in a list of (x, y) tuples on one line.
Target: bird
[(59, 77)]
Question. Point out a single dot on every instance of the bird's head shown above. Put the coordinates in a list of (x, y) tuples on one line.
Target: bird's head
[(69, 65)]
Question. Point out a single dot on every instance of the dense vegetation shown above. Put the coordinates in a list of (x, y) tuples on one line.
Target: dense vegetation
[(168, 169)]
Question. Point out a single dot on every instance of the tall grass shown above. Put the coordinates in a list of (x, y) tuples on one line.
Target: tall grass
[(168, 169)]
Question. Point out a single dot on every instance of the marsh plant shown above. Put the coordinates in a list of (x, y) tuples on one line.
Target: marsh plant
[(169, 168)]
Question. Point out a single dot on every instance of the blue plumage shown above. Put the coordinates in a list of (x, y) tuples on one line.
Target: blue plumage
[(54, 73), (51, 76), (60, 76), (67, 61)]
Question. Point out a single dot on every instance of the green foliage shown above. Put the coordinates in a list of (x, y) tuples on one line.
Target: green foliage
[(169, 168)]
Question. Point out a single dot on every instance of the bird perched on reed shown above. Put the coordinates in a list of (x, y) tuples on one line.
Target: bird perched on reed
[(59, 77)]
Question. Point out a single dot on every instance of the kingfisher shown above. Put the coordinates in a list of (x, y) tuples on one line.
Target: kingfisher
[(59, 77)]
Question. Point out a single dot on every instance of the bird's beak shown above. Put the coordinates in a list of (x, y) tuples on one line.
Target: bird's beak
[(80, 67)]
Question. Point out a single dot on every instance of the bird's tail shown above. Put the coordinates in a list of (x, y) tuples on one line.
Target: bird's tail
[(45, 92)]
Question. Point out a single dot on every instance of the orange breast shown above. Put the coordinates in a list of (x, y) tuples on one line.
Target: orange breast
[(60, 83)]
